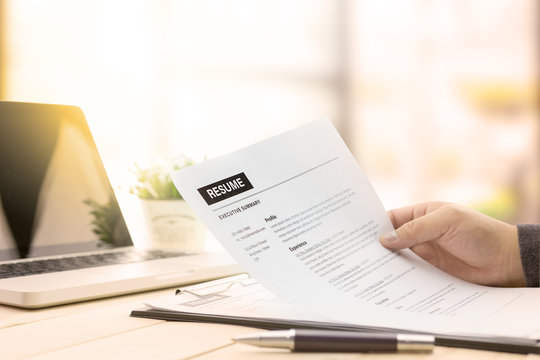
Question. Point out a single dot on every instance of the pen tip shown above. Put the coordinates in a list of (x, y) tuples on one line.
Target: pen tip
[(246, 339)]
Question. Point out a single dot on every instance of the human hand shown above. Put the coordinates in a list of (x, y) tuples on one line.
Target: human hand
[(459, 241)]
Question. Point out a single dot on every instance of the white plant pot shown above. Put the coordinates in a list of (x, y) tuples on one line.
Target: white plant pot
[(172, 225)]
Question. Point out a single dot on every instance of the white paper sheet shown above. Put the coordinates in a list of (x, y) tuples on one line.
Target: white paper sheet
[(234, 296), (299, 215)]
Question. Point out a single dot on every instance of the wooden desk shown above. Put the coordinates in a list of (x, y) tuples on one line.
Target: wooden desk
[(103, 329)]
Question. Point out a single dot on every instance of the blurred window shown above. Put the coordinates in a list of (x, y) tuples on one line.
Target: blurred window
[(436, 99)]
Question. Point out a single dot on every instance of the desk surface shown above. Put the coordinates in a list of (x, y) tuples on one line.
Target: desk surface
[(103, 329)]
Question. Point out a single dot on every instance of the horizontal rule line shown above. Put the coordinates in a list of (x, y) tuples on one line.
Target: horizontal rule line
[(278, 184)]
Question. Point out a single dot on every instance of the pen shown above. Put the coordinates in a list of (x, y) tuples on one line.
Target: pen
[(338, 341)]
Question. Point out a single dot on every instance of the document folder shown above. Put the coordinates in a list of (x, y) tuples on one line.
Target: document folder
[(241, 288)]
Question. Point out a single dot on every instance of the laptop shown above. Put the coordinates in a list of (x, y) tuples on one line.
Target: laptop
[(53, 186)]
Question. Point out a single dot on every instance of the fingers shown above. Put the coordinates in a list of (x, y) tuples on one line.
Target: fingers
[(419, 229), (405, 214)]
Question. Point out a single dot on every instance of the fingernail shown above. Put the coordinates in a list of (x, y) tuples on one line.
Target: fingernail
[(389, 237)]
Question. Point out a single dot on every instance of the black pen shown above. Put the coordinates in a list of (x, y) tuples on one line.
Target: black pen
[(338, 341)]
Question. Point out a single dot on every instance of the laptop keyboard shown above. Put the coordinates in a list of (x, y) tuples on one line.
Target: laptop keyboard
[(25, 268)]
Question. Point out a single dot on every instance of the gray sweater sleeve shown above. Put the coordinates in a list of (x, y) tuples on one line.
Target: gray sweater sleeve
[(529, 248)]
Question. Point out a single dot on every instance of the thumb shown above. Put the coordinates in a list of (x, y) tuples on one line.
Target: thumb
[(425, 228)]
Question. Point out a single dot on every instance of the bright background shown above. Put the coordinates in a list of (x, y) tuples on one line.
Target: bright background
[(436, 99)]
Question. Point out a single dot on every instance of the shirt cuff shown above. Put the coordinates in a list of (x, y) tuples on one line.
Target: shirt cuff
[(529, 249)]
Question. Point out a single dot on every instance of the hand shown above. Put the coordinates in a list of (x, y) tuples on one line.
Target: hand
[(460, 241)]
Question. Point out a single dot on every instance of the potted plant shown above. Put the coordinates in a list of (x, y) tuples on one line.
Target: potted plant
[(170, 222)]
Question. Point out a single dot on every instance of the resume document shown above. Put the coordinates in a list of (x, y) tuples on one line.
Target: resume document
[(298, 214)]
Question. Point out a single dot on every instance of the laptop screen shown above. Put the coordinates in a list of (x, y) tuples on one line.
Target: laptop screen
[(55, 197)]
